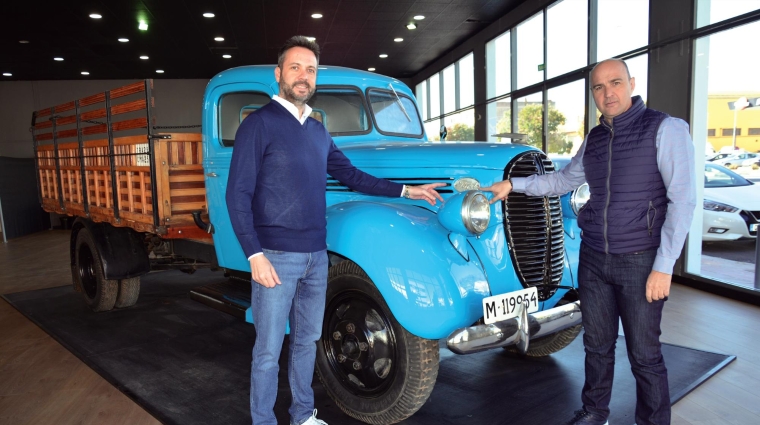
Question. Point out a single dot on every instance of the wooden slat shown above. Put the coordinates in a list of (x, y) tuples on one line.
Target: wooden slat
[(44, 124), (142, 191), (188, 206), (116, 93), (190, 178), (177, 170), (161, 188), (45, 136), (129, 192), (95, 129), (44, 112), (71, 119), (123, 108), (189, 192), (68, 106)]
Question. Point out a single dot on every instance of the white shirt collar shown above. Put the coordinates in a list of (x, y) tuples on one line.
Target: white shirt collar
[(293, 110)]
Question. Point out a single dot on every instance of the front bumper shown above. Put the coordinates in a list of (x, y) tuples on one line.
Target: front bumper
[(515, 331)]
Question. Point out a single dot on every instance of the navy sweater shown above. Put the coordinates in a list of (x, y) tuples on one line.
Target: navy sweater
[(278, 177)]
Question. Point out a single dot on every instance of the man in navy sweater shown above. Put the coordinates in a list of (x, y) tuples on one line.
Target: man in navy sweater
[(276, 202)]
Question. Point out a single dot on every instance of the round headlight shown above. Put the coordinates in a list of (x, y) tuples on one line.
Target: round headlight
[(580, 197), (476, 212)]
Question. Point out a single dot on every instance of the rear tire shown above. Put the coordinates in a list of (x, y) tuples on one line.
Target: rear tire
[(99, 293), (371, 367), (129, 291)]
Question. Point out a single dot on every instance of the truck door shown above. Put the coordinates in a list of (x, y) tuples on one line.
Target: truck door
[(224, 108)]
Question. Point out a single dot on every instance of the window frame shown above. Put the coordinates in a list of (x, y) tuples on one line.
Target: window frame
[(386, 133)]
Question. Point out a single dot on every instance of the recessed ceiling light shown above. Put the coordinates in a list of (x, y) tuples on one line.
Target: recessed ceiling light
[(85, 73), (159, 71), (383, 55), (370, 69), (398, 39), (24, 41), (208, 15), (143, 57), (143, 26), (7, 74), (411, 26), (218, 38), (57, 59), (124, 40), (311, 38), (226, 56), (419, 17), (316, 15), (95, 16)]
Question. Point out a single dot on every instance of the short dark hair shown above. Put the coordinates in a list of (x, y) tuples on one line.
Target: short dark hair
[(297, 41)]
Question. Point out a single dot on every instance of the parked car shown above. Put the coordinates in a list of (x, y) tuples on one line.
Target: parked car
[(731, 205), (736, 160), (720, 156)]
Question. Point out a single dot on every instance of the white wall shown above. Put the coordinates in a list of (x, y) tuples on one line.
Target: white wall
[(178, 102)]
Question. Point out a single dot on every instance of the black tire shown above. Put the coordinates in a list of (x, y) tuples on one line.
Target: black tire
[(99, 292), (387, 373), (129, 290), (549, 344)]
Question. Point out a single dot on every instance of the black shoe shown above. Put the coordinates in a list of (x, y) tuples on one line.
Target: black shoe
[(582, 417)]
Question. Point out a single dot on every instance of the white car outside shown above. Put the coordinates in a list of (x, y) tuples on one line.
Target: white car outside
[(731, 205), (736, 160)]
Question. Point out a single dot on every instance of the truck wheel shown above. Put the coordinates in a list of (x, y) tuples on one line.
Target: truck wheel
[(371, 367), (99, 292), (549, 344), (129, 290)]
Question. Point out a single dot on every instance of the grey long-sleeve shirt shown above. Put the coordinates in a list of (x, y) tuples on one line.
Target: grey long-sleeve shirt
[(675, 159)]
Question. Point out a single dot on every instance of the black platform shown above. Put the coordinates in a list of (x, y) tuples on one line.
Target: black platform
[(187, 363)]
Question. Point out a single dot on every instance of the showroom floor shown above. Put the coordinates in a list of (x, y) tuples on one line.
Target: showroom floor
[(41, 382)]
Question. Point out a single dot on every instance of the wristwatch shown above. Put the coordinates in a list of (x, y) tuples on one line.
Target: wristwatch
[(406, 192)]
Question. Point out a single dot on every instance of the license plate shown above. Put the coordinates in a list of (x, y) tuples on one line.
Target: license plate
[(753, 227), (505, 306)]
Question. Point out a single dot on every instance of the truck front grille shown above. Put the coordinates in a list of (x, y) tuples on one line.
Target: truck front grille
[(533, 225)]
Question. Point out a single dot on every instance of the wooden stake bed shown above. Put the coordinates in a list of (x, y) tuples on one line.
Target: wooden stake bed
[(163, 171)]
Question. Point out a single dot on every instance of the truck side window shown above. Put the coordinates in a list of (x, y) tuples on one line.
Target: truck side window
[(393, 119), (340, 110), (233, 108)]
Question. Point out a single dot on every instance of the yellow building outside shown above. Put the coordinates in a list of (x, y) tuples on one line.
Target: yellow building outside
[(720, 123)]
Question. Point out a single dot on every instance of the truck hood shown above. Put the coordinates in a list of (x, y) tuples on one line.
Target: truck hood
[(458, 155)]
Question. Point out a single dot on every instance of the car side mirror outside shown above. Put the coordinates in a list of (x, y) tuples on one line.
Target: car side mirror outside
[(443, 133)]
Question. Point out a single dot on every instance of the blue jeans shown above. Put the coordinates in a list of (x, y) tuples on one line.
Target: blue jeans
[(300, 298), (612, 287)]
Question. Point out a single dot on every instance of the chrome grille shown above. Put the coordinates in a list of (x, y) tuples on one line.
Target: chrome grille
[(533, 225)]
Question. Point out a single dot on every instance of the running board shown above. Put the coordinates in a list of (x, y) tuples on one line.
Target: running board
[(232, 296)]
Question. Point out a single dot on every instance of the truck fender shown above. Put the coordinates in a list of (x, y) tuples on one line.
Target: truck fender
[(122, 250), (430, 288)]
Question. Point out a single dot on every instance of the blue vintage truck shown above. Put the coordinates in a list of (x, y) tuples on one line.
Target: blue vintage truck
[(403, 275)]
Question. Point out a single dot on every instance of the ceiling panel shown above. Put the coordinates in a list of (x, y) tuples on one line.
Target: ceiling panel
[(180, 41)]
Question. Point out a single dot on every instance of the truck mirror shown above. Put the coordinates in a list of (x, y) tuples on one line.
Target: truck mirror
[(443, 133)]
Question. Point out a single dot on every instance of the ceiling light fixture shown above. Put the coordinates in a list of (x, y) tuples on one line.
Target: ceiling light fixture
[(411, 26), (7, 74), (58, 59), (383, 55), (124, 40), (143, 57), (95, 16), (24, 41), (316, 15), (418, 17), (85, 73), (398, 39), (371, 69), (311, 38), (226, 56), (218, 38), (208, 15), (159, 71), (143, 26)]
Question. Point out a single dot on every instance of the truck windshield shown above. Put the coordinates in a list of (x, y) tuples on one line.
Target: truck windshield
[(395, 113), (340, 110)]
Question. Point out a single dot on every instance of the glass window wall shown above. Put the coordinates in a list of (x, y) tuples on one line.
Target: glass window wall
[(622, 26), (566, 37), (530, 51)]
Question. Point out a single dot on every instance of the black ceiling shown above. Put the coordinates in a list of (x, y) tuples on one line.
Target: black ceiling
[(180, 41)]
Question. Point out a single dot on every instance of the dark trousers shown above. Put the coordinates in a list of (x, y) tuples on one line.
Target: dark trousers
[(612, 287)]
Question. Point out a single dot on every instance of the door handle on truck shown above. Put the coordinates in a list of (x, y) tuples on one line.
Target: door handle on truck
[(212, 174)]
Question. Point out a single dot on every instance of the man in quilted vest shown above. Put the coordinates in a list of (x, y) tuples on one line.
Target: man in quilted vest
[(639, 164)]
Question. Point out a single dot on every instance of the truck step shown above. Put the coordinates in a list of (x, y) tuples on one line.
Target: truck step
[(231, 296)]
